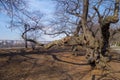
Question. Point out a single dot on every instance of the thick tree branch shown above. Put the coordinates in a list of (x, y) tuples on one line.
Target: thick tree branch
[(98, 13)]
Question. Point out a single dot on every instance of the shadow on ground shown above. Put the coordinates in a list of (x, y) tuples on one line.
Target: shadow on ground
[(53, 64)]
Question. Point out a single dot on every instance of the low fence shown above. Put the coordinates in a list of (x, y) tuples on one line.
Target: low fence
[(21, 43), (16, 43)]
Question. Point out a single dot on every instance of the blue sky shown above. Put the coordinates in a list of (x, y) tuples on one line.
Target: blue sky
[(45, 6), (6, 33)]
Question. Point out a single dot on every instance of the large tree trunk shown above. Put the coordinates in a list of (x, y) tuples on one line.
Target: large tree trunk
[(96, 50), (105, 25), (89, 40)]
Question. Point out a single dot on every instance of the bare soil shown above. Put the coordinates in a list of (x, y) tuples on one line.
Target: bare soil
[(53, 64)]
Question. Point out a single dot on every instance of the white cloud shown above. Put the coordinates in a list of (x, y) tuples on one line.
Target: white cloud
[(45, 6)]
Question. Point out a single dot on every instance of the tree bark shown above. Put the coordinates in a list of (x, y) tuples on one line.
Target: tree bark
[(76, 33), (96, 50), (105, 26), (89, 40)]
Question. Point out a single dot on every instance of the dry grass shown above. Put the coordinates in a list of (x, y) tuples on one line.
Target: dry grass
[(54, 64)]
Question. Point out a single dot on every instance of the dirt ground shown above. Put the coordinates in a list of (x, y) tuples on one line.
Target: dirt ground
[(53, 64)]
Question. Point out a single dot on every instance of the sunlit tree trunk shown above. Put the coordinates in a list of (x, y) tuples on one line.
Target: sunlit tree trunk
[(96, 50), (89, 40), (105, 26)]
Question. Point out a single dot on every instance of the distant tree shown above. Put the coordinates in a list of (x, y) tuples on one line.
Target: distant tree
[(31, 27), (21, 18)]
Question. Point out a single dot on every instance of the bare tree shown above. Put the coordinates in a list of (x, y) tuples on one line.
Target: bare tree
[(29, 25), (22, 18), (88, 14)]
